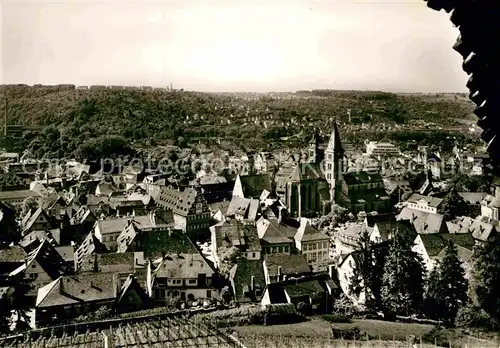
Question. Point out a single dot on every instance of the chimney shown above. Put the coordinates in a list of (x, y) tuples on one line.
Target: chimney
[(279, 273), (330, 271), (252, 283)]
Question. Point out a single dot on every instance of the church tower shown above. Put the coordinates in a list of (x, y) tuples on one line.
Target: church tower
[(334, 163), (314, 154)]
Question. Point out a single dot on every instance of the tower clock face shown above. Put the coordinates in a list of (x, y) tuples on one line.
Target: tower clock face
[(198, 208)]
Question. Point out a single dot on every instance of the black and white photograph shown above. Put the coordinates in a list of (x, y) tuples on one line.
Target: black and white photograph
[(249, 173)]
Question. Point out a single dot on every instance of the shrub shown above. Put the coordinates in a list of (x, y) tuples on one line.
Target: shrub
[(344, 306), (471, 316), (337, 318)]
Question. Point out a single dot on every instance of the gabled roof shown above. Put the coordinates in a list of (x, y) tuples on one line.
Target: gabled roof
[(295, 264), (307, 233), (14, 254), (306, 171), (270, 234), (433, 243), (371, 220), (80, 288), (34, 217), (183, 266), (108, 262), (390, 227), (334, 143), (253, 185), (235, 233), (423, 222), (482, 228), (155, 243), (47, 257)]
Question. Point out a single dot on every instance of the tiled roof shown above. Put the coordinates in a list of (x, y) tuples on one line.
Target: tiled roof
[(307, 233), (306, 171), (290, 264), (156, 243), (482, 228), (12, 254), (423, 222), (89, 287), (183, 266), (109, 262), (253, 185), (402, 227), (311, 288), (20, 194), (433, 243), (48, 258), (371, 220), (180, 202), (234, 233), (270, 234)]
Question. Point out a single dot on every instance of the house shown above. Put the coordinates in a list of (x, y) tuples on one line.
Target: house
[(16, 198), (41, 266), (315, 293), (424, 222), (385, 230), (219, 210), (278, 268), (473, 200), (247, 281), (264, 162), (272, 240), (239, 234), (252, 186), (345, 272), (430, 246), (108, 231), (37, 220), (180, 272), (89, 245), (312, 243), (244, 209), (217, 192), (346, 237), (424, 204), (490, 205), (190, 210), (483, 229), (71, 296), (120, 264)]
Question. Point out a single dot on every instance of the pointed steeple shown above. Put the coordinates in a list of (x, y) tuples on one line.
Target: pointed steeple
[(334, 143)]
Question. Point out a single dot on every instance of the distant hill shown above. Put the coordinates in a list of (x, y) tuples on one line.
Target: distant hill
[(82, 117)]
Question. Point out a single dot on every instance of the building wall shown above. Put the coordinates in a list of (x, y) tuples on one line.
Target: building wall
[(316, 252)]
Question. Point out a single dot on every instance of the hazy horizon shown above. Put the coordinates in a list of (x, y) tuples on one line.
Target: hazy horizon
[(219, 46)]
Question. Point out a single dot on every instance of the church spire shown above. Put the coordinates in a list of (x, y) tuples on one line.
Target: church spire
[(334, 143)]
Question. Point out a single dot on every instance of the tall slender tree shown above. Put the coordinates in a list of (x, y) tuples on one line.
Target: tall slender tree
[(486, 279), (447, 290), (403, 278)]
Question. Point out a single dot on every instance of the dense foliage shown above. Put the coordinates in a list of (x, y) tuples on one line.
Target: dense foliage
[(403, 279), (86, 121), (486, 279), (447, 289)]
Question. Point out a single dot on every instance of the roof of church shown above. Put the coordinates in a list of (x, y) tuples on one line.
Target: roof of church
[(334, 142)]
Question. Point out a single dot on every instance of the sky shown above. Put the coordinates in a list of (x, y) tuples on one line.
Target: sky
[(237, 45)]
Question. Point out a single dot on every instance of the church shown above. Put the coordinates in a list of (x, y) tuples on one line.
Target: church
[(309, 188)]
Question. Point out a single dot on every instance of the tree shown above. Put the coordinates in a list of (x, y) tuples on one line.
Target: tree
[(360, 281), (403, 278), (453, 205), (486, 279), (447, 290), (228, 258)]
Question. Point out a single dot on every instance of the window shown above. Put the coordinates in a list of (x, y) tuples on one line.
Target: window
[(253, 254), (209, 293), (286, 249), (33, 266), (280, 249), (192, 281)]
